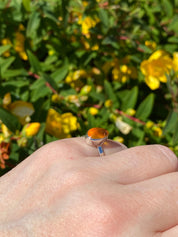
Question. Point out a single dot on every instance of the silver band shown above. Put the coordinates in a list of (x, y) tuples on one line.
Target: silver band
[(100, 151), (96, 143)]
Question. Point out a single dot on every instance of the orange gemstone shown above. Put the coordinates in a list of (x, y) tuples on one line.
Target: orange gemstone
[(98, 133)]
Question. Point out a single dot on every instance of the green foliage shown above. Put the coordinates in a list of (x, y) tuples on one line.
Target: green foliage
[(79, 64)]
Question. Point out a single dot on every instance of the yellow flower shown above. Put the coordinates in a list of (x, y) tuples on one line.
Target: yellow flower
[(155, 68), (78, 74), (175, 61), (69, 122), (119, 139), (150, 44), (69, 78), (32, 129), (73, 78), (21, 27), (23, 110), (95, 71), (55, 98), (120, 71), (85, 43), (85, 3), (19, 45), (124, 68), (157, 131), (6, 41), (73, 99), (1, 138), (93, 110), (149, 124), (124, 78), (131, 112), (87, 23), (6, 100), (95, 47), (6, 132), (117, 75), (108, 103), (85, 90), (59, 125)]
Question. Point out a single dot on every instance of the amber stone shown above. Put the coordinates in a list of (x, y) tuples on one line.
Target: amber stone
[(98, 133)]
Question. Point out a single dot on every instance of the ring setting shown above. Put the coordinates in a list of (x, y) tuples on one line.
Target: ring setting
[(96, 137)]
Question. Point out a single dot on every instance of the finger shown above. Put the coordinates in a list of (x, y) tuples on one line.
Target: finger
[(77, 148), (61, 150), (157, 201), (139, 163)]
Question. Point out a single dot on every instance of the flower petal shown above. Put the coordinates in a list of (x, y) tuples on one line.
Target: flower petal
[(152, 82), (21, 108)]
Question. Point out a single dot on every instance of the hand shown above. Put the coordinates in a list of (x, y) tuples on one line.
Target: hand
[(65, 189)]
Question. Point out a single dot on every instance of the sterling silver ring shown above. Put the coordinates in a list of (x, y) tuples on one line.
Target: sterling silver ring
[(96, 137)]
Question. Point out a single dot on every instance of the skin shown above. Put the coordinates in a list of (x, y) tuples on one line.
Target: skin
[(64, 189)]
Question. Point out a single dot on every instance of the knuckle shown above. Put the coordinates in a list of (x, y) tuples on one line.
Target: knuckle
[(75, 176), (100, 211)]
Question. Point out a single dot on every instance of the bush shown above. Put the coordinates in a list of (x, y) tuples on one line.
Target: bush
[(67, 66)]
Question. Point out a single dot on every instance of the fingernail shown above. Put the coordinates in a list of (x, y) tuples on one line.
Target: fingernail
[(168, 153)]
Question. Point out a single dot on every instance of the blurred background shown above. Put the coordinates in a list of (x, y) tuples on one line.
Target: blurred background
[(67, 66)]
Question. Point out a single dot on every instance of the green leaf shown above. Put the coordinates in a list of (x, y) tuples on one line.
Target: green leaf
[(39, 90), (40, 134), (97, 96), (26, 4), (65, 13), (145, 108), (174, 24), (91, 120), (38, 83), (129, 98), (110, 93), (168, 7), (5, 63), (145, 48), (34, 62), (138, 136), (9, 120), (14, 73), (90, 57), (103, 16), (50, 16), (16, 83), (40, 93), (33, 24), (175, 135), (60, 73), (4, 48), (49, 80), (172, 120), (173, 39)]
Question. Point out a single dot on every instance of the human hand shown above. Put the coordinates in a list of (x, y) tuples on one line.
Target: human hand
[(65, 189)]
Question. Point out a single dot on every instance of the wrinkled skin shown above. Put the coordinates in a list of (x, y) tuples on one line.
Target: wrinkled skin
[(64, 189)]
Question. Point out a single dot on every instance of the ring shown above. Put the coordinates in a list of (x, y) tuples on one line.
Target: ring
[(96, 137)]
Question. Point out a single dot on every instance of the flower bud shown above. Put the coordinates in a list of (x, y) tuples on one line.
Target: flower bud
[(32, 129), (123, 127), (85, 90), (119, 139), (93, 110)]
